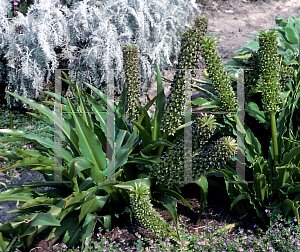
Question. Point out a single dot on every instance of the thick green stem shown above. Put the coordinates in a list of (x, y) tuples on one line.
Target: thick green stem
[(274, 137)]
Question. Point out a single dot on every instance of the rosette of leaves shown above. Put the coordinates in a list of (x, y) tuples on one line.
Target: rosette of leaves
[(145, 213), (270, 68), (88, 188), (216, 72), (92, 187), (132, 75), (170, 169), (188, 58)]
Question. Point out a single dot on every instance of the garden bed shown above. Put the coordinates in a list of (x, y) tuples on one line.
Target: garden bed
[(217, 209)]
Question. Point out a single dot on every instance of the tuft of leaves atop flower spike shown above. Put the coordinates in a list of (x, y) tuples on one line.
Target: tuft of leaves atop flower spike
[(270, 68), (203, 128), (144, 212), (188, 59), (132, 75), (169, 170), (216, 72)]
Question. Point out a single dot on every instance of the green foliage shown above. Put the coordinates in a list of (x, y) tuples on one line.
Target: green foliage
[(277, 169), (94, 192), (288, 45), (13, 120), (89, 188), (93, 188), (275, 176)]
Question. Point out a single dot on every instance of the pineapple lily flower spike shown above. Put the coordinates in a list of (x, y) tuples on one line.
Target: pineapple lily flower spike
[(217, 74), (205, 159), (270, 66), (188, 58), (145, 213), (132, 74)]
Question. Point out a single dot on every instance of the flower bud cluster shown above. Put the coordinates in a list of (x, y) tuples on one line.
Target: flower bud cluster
[(251, 76), (214, 156), (132, 75), (188, 59), (170, 169), (144, 213), (216, 72), (270, 69)]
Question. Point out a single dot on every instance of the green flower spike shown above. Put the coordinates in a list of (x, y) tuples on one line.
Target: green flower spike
[(170, 169), (188, 58), (216, 72), (144, 212), (201, 25), (270, 74), (270, 69), (252, 76), (132, 75), (218, 154)]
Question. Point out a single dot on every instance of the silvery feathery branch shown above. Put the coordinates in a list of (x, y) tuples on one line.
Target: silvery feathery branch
[(90, 39)]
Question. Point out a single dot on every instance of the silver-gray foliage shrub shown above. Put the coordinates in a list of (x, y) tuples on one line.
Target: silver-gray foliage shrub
[(154, 26)]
